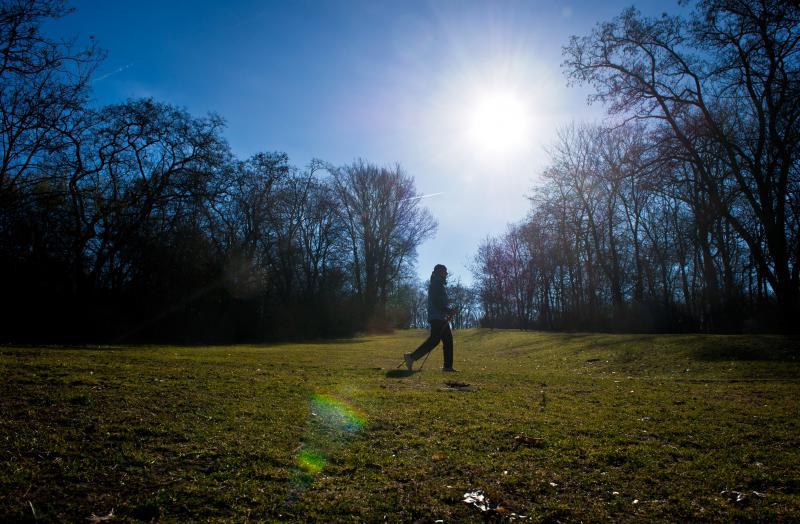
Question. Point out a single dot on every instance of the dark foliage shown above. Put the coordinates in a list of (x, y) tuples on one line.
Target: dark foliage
[(134, 222)]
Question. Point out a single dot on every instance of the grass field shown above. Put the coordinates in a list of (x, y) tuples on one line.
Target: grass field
[(546, 427)]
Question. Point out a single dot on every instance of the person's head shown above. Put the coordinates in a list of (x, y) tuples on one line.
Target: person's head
[(440, 270)]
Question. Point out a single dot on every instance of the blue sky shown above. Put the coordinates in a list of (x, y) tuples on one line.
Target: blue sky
[(387, 81)]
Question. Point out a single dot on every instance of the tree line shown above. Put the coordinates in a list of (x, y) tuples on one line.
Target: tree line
[(681, 214), (136, 222), (410, 305)]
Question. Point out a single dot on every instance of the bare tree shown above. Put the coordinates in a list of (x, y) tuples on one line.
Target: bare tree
[(730, 75), (150, 164), (43, 87), (384, 224), (463, 299)]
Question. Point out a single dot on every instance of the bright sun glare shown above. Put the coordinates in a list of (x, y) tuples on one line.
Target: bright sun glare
[(498, 122)]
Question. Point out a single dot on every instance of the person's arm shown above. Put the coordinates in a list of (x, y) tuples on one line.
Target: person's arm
[(437, 299), (448, 310)]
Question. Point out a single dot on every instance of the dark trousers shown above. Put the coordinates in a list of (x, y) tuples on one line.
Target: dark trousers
[(440, 331)]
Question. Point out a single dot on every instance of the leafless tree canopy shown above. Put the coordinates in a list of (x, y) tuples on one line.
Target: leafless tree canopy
[(686, 214), (136, 222), (384, 223)]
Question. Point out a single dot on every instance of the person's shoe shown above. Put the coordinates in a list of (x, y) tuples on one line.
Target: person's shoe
[(449, 370), (409, 361)]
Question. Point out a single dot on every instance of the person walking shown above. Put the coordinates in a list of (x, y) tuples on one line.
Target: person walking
[(439, 314)]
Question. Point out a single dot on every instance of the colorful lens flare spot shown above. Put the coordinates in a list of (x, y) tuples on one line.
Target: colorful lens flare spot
[(333, 414), (337, 413), (311, 462)]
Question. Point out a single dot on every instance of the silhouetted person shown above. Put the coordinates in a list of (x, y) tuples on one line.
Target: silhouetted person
[(439, 313)]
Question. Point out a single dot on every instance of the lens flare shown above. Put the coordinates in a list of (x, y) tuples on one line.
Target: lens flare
[(334, 418), (337, 413), (311, 461)]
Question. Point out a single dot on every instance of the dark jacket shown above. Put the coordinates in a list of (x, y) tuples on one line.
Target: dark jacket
[(438, 303)]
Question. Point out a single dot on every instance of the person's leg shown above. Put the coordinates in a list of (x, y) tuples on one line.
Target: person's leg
[(430, 342), (447, 343)]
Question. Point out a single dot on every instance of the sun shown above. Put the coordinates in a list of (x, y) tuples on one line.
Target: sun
[(498, 122)]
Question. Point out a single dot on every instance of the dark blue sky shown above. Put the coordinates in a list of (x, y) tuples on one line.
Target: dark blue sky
[(387, 81)]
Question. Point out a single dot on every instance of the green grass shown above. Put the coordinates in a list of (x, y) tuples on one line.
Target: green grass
[(553, 427)]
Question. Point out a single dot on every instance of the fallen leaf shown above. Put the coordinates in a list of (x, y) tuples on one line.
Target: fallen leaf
[(105, 518), (480, 500), (733, 495)]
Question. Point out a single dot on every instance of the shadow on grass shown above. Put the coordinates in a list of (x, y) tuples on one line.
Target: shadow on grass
[(189, 345), (399, 373), (330, 341), (614, 341), (67, 347), (770, 349)]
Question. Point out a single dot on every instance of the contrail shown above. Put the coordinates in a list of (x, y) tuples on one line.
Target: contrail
[(422, 196), (114, 72)]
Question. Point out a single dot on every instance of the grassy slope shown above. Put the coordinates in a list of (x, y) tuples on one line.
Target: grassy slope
[(555, 427)]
